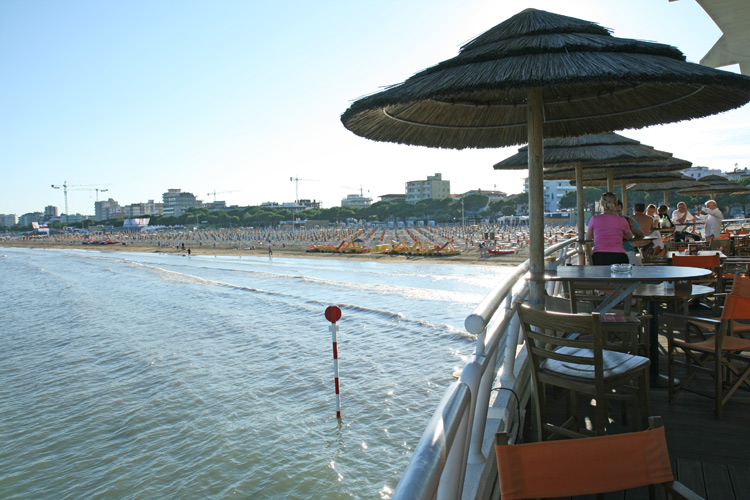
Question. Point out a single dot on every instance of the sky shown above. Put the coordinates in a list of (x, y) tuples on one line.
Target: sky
[(236, 97)]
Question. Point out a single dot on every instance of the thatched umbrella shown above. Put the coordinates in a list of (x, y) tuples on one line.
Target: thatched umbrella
[(540, 75), (715, 184), (669, 185), (623, 179), (576, 157)]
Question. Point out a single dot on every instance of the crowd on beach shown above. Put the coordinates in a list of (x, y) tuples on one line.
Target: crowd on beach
[(474, 240)]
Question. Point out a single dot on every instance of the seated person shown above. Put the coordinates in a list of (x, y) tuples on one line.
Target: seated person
[(646, 224), (682, 220), (608, 230)]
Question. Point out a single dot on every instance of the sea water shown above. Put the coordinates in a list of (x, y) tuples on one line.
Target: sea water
[(128, 376)]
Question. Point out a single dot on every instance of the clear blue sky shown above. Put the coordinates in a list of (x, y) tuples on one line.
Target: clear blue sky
[(139, 96)]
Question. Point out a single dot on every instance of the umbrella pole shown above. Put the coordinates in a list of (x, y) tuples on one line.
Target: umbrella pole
[(580, 214), (535, 125), (610, 180), (666, 200), (624, 198)]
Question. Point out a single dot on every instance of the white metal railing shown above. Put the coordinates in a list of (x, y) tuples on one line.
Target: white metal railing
[(452, 458)]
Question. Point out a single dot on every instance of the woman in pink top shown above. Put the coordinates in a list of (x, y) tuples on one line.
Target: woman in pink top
[(608, 230)]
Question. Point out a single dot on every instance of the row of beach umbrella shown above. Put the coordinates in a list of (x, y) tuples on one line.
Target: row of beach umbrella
[(540, 75)]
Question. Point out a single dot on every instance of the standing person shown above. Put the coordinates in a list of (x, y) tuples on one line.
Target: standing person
[(680, 218), (608, 230), (637, 233), (713, 217)]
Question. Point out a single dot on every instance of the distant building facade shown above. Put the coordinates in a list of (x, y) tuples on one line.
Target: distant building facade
[(698, 172), (135, 210), (27, 219), (433, 188), (176, 203), (8, 220), (493, 195), (50, 211), (356, 200), (393, 198), (106, 209), (738, 173), (554, 190)]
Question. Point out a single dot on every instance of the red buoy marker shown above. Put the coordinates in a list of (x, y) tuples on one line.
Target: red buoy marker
[(333, 314)]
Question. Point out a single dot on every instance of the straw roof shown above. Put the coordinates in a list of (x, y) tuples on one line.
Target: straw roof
[(590, 81), (629, 177), (597, 150), (621, 169), (683, 182), (715, 184)]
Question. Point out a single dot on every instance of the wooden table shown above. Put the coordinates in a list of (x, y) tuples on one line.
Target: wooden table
[(625, 284)]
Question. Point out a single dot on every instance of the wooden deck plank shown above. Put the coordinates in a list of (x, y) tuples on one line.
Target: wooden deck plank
[(709, 455)]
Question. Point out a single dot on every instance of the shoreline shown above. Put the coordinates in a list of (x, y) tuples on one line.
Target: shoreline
[(472, 256)]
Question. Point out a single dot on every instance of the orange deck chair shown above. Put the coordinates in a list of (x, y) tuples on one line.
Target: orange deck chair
[(587, 466)]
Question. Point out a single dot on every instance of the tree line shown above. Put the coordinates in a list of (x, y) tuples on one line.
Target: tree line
[(446, 210)]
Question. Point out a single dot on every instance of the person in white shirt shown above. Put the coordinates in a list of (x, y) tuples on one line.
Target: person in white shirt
[(713, 217), (682, 219)]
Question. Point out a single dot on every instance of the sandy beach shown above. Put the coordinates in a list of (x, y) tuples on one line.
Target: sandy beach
[(471, 255)]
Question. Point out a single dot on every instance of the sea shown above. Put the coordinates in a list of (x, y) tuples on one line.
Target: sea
[(130, 375)]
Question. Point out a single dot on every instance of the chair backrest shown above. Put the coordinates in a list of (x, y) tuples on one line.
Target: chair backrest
[(736, 307), (741, 286), (702, 261), (546, 331), (721, 244), (583, 466)]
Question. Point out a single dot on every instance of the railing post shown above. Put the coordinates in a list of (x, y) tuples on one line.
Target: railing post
[(452, 479)]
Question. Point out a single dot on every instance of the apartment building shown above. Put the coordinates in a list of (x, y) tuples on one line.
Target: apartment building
[(176, 203), (434, 187), (8, 220), (554, 190)]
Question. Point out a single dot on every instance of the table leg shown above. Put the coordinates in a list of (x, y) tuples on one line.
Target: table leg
[(657, 379)]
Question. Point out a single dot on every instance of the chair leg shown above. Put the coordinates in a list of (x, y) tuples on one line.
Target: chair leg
[(646, 395), (719, 380)]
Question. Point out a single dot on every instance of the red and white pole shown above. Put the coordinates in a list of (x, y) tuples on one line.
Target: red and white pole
[(333, 314)]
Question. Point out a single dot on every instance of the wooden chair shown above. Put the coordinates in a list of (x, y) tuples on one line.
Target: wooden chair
[(717, 351), (722, 244), (588, 466), (567, 351), (712, 262), (623, 331)]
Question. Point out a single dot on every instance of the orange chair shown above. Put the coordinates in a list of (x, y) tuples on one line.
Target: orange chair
[(717, 352), (712, 262), (587, 466)]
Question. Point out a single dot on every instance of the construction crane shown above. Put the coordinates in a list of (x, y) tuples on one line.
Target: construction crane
[(214, 192), (296, 182), (77, 187)]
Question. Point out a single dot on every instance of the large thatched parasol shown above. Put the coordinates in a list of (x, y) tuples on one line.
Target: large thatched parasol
[(540, 75), (579, 157), (668, 185), (715, 184)]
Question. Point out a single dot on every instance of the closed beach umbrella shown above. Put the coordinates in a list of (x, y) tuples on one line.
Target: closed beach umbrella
[(538, 75)]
